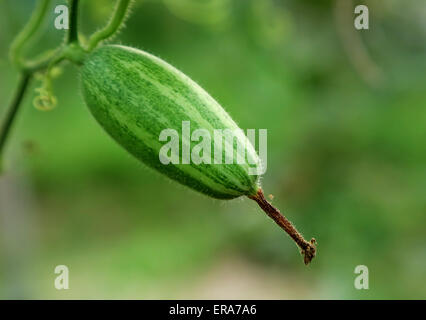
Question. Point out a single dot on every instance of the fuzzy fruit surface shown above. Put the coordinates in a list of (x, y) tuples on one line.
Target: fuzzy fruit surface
[(135, 95)]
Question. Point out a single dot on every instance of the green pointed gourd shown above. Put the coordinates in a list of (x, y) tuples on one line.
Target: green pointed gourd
[(135, 96)]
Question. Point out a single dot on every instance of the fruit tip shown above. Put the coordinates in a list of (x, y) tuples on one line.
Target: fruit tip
[(309, 252)]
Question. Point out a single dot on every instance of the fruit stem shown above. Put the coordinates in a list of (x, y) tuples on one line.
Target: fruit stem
[(308, 249)]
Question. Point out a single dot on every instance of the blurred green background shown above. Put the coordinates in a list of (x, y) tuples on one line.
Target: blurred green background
[(346, 119)]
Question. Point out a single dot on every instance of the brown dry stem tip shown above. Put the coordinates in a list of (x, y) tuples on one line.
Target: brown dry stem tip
[(308, 249)]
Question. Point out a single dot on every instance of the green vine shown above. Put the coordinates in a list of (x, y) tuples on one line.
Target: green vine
[(27, 33), (43, 66), (11, 112), (73, 16), (113, 25)]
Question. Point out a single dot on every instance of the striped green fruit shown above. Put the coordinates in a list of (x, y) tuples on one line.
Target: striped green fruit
[(135, 96)]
